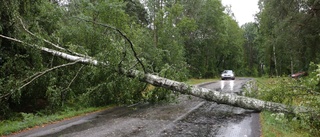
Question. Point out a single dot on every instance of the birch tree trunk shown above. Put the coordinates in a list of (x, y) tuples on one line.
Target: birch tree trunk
[(275, 59)]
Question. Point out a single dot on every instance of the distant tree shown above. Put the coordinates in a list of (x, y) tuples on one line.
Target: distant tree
[(289, 34), (252, 48)]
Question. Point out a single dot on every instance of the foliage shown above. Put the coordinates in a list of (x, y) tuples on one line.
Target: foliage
[(277, 124), (215, 44), (297, 92), (136, 11), (289, 35), (74, 26), (18, 62), (253, 54)]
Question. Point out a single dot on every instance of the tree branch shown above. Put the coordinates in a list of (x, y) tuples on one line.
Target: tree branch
[(84, 60), (124, 36), (124, 56), (39, 74), (5, 95), (47, 41), (74, 77), (46, 71)]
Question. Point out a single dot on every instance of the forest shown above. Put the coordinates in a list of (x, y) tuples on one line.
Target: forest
[(176, 39)]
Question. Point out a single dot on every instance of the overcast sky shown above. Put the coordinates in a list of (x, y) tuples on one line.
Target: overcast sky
[(243, 10)]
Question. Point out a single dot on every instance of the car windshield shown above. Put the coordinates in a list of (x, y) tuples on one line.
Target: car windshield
[(227, 71)]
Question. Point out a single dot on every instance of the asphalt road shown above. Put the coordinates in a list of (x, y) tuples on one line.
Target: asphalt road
[(189, 116)]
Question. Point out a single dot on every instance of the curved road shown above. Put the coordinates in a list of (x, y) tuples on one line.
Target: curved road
[(189, 116)]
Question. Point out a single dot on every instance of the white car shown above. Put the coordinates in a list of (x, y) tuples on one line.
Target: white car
[(228, 74)]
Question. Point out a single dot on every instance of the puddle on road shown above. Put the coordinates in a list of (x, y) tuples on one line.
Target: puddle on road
[(231, 85), (227, 85), (222, 84), (247, 127)]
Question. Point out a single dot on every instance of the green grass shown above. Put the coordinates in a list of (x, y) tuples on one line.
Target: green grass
[(274, 124), (198, 81), (29, 120)]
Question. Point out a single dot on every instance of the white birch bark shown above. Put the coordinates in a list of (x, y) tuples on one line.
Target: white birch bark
[(275, 59), (85, 60)]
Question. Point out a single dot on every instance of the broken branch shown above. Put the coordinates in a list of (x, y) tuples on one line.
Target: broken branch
[(124, 36), (47, 41)]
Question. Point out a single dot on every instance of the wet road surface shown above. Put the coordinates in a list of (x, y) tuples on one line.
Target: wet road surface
[(189, 116)]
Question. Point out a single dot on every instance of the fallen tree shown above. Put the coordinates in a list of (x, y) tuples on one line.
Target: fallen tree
[(207, 94)]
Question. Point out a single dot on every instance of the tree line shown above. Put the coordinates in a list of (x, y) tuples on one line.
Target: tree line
[(285, 38)]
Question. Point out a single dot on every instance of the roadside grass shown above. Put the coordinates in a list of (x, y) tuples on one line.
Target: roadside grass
[(29, 120), (194, 81), (277, 124)]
